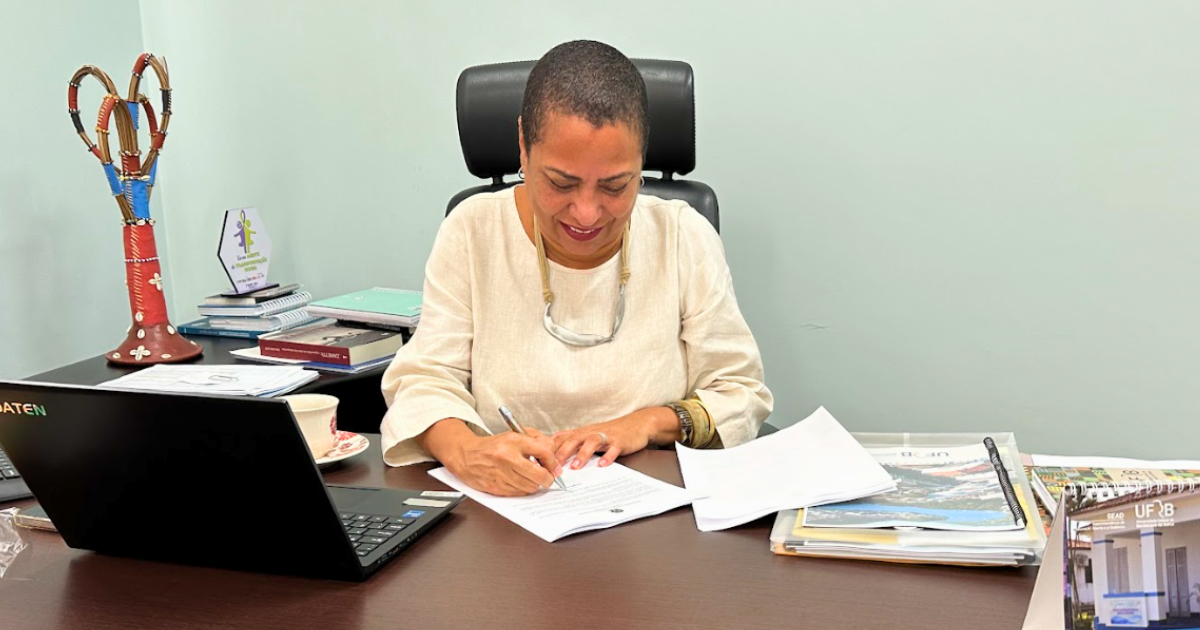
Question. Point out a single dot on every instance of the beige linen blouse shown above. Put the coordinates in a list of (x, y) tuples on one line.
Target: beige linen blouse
[(481, 344)]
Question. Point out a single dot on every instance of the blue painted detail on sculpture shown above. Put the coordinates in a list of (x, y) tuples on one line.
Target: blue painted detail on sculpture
[(114, 182), (133, 112), (138, 194), (153, 172)]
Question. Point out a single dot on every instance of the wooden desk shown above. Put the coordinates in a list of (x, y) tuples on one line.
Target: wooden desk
[(479, 571), (360, 409)]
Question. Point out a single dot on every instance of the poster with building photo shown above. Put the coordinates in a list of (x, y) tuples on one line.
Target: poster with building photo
[(1132, 556)]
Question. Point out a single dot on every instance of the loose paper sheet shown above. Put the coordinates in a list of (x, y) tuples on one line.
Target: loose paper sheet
[(812, 462), (595, 498)]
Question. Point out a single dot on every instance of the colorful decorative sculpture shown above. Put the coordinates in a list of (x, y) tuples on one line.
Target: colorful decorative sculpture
[(151, 338)]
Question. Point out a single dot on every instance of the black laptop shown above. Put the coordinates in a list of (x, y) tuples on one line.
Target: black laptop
[(208, 480), (12, 486)]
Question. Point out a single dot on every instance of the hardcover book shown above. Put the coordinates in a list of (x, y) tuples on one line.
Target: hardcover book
[(335, 343), (260, 309), (394, 307)]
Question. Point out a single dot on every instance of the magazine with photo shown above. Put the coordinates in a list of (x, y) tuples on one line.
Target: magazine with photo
[(949, 488)]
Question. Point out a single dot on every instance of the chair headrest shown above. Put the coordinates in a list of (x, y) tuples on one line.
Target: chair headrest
[(489, 102)]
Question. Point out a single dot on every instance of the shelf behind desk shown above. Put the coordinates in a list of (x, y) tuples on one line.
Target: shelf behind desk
[(360, 409)]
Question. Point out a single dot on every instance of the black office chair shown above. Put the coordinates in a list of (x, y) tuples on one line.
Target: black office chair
[(489, 102)]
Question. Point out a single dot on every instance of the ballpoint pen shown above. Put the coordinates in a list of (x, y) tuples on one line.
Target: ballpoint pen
[(517, 428)]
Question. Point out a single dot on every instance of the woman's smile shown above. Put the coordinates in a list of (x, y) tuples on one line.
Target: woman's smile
[(581, 234)]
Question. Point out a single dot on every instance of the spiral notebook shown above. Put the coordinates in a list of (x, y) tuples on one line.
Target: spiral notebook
[(267, 323), (1122, 556), (270, 307), (1049, 481), (378, 305), (246, 327)]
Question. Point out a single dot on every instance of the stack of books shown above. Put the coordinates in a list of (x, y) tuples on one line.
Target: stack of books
[(253, 314), (328, 346), (356, 332), (958, 500)]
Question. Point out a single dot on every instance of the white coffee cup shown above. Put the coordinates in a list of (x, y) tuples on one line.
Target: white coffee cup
[(317, 416)]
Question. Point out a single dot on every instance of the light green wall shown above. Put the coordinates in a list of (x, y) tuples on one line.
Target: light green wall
[(62, 296), (940, 215)]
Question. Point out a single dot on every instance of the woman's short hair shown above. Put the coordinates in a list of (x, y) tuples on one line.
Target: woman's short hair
[(591, 80)]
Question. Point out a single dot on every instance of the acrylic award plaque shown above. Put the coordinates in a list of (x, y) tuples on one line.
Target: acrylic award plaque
[(245, 251)]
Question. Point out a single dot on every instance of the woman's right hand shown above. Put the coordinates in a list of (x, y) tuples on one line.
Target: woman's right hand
[(500, 464)]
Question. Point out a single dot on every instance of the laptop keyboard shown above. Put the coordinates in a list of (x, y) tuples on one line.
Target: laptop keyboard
[(368, 531), (6, 468)]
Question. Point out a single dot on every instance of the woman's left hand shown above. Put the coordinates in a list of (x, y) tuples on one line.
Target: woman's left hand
[(622, 436)]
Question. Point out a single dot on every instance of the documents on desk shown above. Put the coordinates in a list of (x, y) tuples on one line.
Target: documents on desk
[(231, 380), (812, 462), (913, 545), (596, 498), (950, 507)]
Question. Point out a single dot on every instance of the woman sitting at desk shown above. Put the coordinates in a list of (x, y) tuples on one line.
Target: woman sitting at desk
[(603, 319)]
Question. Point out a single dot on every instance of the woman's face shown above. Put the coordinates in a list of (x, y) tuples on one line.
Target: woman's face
[(581, 183)]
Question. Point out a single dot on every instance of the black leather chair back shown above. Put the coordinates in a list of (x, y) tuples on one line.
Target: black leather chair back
[(489, 102)]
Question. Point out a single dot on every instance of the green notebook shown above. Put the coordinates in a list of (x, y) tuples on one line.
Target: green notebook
[(376, 301)]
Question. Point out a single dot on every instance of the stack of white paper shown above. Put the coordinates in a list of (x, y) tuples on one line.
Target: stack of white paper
[(595, 498), (812, 462), (232, 380), (910, 544)]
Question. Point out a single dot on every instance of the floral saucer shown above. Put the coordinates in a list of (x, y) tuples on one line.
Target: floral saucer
[(348, 445)]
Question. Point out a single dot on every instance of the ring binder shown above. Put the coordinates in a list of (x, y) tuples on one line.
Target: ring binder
[(275, 306), (1124, 487)]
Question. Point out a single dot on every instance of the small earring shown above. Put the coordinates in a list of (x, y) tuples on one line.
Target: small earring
[(643, 181), (520, 172)]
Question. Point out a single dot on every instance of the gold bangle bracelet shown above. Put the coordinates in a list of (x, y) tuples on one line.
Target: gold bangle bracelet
[(703, 429)]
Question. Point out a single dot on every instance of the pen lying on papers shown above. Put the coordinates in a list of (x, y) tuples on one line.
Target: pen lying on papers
[(512, 424)]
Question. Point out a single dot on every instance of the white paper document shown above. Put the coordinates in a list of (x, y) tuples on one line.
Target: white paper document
[(812, 462), (231, 380), (595, 498)]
